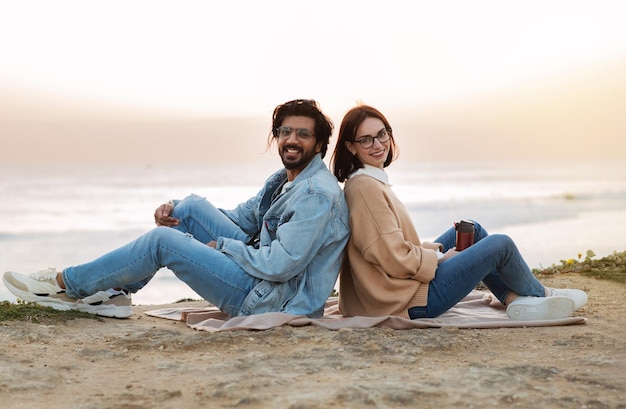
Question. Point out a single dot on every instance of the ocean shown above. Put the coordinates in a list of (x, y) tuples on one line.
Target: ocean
[(58, 215)]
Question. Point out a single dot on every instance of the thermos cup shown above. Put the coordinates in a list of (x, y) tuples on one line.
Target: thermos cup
[(464, 234)]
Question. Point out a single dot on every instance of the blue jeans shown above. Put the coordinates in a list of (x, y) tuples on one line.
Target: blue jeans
[(210, 273), (493, 259)]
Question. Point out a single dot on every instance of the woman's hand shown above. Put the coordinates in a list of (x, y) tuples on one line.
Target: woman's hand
[(162, 216), (448, 254)]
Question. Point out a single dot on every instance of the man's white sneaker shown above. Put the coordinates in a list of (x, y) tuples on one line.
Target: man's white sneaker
[(540, 308), (578, 296), (40, 288), (111, 303)]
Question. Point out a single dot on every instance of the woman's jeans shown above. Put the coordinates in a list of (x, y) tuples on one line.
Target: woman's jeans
[(182, 249), (493, 259)]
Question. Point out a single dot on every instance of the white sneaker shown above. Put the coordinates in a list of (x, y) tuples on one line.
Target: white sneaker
[(41, 288), (114, 304), (578, 296), (540, 308)]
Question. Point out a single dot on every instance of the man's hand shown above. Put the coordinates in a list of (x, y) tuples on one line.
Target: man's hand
[(212, 243), (162, 216)]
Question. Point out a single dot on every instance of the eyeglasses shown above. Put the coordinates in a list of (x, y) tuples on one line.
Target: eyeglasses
[(285, 132), (368, 141)]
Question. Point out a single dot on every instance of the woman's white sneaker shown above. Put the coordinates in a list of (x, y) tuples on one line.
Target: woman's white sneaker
[(578, 296), (540, 308)]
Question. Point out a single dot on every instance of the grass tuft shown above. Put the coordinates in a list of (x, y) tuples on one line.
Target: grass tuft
[(30, 312), (611, 267), (182, 300)]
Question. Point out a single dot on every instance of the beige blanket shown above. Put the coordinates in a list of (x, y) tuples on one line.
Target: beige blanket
[(477, 310)]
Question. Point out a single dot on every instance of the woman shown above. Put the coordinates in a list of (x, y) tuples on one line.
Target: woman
[(388, 270)]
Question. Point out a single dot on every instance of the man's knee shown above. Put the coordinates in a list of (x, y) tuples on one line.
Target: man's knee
[(188, 205)]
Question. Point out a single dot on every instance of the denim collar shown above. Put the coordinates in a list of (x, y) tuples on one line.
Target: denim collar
[(314, 166), (374, 172)]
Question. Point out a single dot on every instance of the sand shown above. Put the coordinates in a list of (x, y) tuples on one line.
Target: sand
[(146, 362)]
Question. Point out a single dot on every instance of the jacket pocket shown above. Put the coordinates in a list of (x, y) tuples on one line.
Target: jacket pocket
[(262, 298)]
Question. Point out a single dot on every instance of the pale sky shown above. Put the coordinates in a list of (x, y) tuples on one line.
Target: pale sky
[(202, 58), (241, 55)]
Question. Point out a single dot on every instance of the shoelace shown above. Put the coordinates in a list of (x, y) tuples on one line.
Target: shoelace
[(44, 275)]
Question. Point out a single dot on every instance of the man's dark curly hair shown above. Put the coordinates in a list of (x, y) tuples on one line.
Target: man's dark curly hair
[(304, 107)]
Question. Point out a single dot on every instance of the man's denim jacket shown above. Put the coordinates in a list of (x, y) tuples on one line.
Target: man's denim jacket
[(301, 237)]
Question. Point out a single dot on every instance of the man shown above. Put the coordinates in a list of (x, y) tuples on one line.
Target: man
[(279, 251)]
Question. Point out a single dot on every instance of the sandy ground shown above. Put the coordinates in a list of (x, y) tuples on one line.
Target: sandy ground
[(146, 362)]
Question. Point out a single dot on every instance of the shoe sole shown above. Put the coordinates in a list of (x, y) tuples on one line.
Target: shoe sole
[(46, 301), (110, 311), (545, 308)]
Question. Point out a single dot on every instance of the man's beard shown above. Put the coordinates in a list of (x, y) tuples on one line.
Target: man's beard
[(301, 163)]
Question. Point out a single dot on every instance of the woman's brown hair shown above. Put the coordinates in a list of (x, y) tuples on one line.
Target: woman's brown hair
[(343, 161)]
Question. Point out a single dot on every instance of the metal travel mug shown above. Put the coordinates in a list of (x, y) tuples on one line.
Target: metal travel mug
[(464, 234)]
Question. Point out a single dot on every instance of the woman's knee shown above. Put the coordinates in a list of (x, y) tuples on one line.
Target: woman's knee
[(479, 231), (502, 241)]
